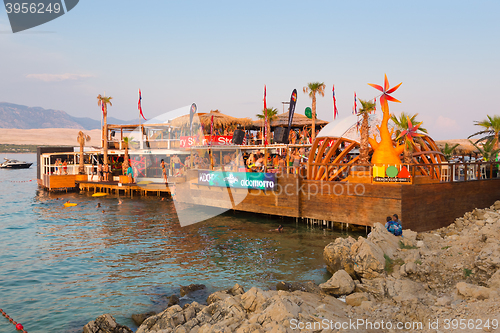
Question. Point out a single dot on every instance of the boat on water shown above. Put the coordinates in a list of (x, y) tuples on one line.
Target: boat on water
[(14, 164)]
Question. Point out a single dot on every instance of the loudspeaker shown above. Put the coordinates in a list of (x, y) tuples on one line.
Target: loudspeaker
[(238, 137), (280, 135)]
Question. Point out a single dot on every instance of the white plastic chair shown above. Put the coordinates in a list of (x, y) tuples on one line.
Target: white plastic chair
[(445, 172)]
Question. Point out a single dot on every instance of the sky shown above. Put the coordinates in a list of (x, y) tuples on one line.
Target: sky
[(220, 54)]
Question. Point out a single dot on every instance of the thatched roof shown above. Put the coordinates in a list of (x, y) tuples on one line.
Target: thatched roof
[(464, 146), (205, 119), (299, 120)]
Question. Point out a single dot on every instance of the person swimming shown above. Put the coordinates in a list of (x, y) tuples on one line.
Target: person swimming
[(98, 205)]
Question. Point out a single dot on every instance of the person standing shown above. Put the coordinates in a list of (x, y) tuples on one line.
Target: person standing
[(164, 171)]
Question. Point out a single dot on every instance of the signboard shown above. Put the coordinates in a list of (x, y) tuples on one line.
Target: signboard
[(248, 180), (217, 140), (391, 174)]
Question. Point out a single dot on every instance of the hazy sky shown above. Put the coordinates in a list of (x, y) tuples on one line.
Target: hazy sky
[(219, 54)]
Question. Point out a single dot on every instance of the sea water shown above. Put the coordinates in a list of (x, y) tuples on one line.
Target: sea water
[(62, 267)]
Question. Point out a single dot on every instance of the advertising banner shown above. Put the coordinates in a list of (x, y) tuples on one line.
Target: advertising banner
[(248, 180), (217, 140)]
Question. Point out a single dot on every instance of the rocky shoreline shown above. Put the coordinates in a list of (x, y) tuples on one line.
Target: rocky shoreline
[(438, 281)]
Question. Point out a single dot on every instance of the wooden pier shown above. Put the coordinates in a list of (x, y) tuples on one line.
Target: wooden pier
[(150, 189)]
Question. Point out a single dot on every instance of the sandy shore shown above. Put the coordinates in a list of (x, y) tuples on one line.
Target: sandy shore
[(47, 136)]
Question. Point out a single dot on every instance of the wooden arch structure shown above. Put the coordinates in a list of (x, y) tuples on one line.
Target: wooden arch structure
[(327, 155)]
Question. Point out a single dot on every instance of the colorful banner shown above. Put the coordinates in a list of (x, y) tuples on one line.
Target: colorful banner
[(293, 101), (216, 140), (335, 112), (248, 180)]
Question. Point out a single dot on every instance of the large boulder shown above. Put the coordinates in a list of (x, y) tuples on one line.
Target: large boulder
[(357, 298), (337, 256), (489, 257), (339, 284), (105, 324), (494, 281), (190, 288), (477, 292), (384, 239), (368, 258)]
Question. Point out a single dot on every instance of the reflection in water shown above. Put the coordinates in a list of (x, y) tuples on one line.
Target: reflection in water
[(62, 267)]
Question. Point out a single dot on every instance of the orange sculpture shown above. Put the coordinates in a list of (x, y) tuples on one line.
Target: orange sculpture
[(384, 152)]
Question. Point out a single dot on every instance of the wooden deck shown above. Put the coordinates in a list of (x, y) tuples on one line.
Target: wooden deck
[(421, 207), (157, 189)]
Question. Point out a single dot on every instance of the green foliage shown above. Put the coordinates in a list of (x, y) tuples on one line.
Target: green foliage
[(488, 150), (445, 247), (271, 114), (407, 247), (418, 262), (467, 272), (8, 148), (315, 87), (390, 263), (448, 151), (491, 128), (366, 107), (402, 122)]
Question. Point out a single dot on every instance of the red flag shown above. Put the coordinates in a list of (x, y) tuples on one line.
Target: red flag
[(355, 107), (211, 128), (139, 106), (265, 116), (335, 112), (103, 106)]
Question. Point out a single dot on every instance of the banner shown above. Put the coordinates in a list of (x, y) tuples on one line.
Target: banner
[(248, 180), (293, 101), (216, 140)]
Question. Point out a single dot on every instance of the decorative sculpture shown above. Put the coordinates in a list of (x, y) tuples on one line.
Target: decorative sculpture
[(384, 152)]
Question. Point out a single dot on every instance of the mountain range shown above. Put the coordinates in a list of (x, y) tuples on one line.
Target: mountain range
[(25, 117)]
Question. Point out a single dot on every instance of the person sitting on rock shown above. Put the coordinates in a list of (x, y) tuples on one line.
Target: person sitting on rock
[(393, 226)]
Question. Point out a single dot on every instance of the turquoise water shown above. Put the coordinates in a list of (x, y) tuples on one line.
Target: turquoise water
[(62, 267)]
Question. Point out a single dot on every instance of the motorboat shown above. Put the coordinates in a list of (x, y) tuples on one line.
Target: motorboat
[(14, 164)]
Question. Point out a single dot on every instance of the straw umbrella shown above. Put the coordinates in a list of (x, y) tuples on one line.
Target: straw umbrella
[(220, 120), (298, 120)]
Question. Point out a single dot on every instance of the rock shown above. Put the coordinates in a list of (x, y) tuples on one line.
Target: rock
[(405, 289), (479, 214), (337, 256), (236, 290), (366, 305), (105, 324), (494, 281), (385, 240), (477, 292), (307, 286), (420, 243), (339, 284), (375, 287), (489, 257), (356, 299), (369, 259), (408, 268), (410, 237), (172, 300), (443, 301), (138, 319), (217, 296), (192, 287), (496, 205)]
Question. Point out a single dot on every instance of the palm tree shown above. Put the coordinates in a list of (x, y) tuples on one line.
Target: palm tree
[(492, 128), (366, 108), (489, 150), (82, 138), (448, 151), (312, 88), (126, 141), (406, 131), (103, 102), (272, 113)]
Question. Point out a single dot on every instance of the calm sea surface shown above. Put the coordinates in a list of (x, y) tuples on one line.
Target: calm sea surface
[(62, 267)]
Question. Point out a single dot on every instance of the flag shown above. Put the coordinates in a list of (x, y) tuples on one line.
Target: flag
[(335, 112), (265, 117), (103, 107), (355, 107), (293, 101), (211, 128), (139, 105)]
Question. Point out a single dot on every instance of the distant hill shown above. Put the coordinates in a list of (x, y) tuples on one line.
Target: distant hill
[(24, 117)]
